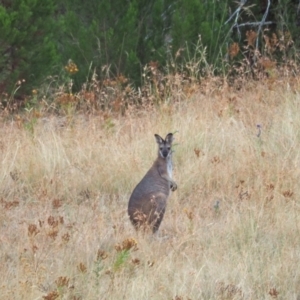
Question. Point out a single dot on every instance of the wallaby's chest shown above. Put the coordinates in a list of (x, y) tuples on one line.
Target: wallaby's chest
[(169, 167)]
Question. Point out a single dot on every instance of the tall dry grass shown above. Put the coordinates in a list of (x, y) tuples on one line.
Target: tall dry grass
[(231, 230)]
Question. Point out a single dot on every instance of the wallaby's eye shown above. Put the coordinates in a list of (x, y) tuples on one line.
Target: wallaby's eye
[(169, 148)]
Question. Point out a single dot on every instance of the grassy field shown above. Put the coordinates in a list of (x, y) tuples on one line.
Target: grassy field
[(231, 230)]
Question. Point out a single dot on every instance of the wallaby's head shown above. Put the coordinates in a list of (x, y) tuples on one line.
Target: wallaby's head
[(164, 145)]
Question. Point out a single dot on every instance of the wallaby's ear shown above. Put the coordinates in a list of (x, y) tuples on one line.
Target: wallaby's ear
[(159, 140), (169, 138)]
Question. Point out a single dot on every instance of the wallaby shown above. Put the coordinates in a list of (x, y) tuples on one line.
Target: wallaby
[(148, 200)]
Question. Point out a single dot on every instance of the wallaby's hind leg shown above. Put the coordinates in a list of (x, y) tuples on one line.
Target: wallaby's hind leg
[(157, 221), (157, 212), (150, 214), (137, 218)]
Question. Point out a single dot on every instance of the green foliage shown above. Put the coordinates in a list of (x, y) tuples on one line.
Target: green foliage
[(269, 29), (121, 259), (114, 38), (29, 125), (205, 20), (94, 35), (117, 36), (27, 44), (286, 16)]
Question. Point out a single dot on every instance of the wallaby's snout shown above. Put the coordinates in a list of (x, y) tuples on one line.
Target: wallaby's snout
[(148, 200), (165, 153)]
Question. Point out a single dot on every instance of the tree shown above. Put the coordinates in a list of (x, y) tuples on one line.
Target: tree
[(119, 36), (99, 34), (205, 20), (27, 45)]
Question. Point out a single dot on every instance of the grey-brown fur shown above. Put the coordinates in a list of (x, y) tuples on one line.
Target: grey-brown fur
[(148, 200)]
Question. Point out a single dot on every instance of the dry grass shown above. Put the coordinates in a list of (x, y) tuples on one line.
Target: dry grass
[(231, 230)]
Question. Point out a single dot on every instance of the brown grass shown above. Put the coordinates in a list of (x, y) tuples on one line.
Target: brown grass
[(231, 230)]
